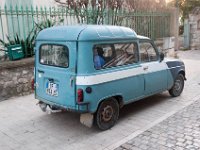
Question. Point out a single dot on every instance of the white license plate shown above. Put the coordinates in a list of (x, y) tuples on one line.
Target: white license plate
[(52, 89)]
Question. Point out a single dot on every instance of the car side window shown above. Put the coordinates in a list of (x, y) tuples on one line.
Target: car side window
[(106, 56), (147, 52)]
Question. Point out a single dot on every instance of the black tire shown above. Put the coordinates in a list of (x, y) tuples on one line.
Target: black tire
[(107, 114), (178, 86)]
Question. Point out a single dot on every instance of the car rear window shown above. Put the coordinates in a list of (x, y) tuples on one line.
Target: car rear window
[(54, 55)]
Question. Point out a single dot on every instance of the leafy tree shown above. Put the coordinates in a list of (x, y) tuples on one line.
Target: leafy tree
[(93, 11), (140, 5), (185, 6)]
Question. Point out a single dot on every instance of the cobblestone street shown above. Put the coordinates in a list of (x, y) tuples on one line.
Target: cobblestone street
[(180, 131)]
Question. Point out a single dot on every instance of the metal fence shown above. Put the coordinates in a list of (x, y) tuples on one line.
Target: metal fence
[(21, 24)]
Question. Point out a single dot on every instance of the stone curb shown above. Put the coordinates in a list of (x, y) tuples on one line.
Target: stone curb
[(17, 63)]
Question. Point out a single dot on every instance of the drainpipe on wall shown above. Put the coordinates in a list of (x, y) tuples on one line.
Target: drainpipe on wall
[(176, 47)]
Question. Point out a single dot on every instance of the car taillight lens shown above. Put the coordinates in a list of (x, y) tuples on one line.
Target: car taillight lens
[(80, 95), (32, 84)]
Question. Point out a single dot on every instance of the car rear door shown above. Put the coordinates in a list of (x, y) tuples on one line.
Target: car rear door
[(55, 72)]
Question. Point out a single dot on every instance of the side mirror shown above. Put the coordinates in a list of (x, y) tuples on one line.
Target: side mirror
[(162, 56)]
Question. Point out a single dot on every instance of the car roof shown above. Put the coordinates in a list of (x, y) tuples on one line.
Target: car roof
[(86, 32), (143, 37)]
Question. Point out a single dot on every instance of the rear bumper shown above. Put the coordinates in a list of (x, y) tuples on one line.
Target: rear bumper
[(79, 108)]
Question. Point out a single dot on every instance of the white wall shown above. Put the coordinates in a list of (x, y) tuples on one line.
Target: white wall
[(40, 3), (2, 3), (44, 3)]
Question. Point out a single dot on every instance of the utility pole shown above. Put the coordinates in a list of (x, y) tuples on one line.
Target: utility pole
[(176, 47)]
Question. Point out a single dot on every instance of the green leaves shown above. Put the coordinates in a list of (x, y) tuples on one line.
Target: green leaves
[(186, 6), (29, 41), (47, 23)]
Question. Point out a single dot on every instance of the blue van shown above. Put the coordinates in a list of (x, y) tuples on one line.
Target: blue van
[(96, 69)]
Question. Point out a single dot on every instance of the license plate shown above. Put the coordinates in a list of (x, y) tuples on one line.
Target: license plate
[(52, 89)]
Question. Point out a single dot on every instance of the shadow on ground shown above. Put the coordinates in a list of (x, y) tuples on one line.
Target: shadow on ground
[(142, 105), (69, 120)]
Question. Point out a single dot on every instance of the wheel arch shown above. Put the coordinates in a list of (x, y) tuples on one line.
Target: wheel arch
[(120, 101), (176, 67), (183, 73), (118, 97)]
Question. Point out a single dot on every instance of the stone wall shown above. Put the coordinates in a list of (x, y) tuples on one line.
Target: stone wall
[(166, 45), (194, 21), (15, 78)]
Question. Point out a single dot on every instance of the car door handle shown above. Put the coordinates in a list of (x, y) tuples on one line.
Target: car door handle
[(71, 81), (146, 68), (40, 71)]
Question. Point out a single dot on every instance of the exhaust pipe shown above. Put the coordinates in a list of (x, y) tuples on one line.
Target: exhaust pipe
[(43, 106), (46, 108)]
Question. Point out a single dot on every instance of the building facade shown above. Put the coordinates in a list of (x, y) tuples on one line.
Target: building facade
[(194, 22)]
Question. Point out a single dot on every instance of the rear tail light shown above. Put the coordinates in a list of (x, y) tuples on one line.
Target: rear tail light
[(32, 84), (80, 95)]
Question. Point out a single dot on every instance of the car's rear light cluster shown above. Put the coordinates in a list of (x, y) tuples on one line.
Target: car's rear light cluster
[(80, 95)]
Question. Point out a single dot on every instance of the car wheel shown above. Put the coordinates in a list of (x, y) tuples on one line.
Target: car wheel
[(178, 86), (107, 114)]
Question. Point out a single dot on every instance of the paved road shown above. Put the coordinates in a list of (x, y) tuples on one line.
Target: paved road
[(179, 132), (23, 126)]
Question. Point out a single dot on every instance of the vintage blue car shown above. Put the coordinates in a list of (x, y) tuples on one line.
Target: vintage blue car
[(96, 69)]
